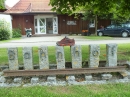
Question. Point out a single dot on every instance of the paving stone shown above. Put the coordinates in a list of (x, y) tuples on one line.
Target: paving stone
[(51, 79), (3, 85), (1, 73), (88, 77), (60, 60), (76, 54), (17, 80), (106, 76), (94, 52), (2, 79), (70, 79), (27, 85), (13, 58), (14, 85), (61, 83), (34, 80), (128, 73), (27, 58), (43, 57), (111, 55)]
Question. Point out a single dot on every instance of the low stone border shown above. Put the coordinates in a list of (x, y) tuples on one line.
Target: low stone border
[(52, 81), (62, 83)]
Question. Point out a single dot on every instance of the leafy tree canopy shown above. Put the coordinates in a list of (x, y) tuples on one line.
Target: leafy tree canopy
[(2, 4), (114, 9)]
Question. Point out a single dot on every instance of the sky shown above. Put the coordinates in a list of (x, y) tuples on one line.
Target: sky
[(10, 3)]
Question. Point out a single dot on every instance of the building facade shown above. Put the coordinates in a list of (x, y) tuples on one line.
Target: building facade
[(37, 15)]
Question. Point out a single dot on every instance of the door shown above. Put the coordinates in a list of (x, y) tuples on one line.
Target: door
[(46, 25), (55, 25), (49, 25), (40, 26), (118, 29), (109, 30)]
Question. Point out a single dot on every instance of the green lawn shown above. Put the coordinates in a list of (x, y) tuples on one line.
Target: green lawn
[(92, 37), (94, 90), (123, 54), (107, 90), (3, 41)]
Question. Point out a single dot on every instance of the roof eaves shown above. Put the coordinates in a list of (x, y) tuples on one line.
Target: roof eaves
[(8, 10), (28, 8)]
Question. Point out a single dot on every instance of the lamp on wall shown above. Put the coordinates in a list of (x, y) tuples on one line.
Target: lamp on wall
[(26, 20), (63, 19)]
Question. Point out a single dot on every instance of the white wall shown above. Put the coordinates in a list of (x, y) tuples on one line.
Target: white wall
[(7, 18)]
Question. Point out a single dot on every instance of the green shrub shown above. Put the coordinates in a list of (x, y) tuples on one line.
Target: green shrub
[(4, 34), (16, 32), (5, 30)]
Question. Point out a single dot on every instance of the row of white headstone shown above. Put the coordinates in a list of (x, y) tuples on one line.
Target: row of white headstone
[(76, 53)]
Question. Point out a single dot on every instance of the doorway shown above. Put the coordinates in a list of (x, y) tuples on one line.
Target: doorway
[(46, 25), (49, 25)]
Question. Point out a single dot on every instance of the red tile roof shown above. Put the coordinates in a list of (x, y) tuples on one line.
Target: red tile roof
[(7, 7), (31, 6)]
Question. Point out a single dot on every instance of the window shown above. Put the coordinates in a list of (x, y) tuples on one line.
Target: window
[(92, 23), (119, 26), (128, 25), (71, 22), (111, 27)]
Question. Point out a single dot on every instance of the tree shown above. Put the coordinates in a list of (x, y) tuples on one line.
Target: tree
[(117, 10), (2, 4), (68, 6)]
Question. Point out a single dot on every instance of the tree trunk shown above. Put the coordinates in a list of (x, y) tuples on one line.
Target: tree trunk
[(96, 25), (88, 26)]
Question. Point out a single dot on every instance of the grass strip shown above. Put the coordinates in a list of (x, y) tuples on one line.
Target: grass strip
[(93, 90), (123, 54)]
